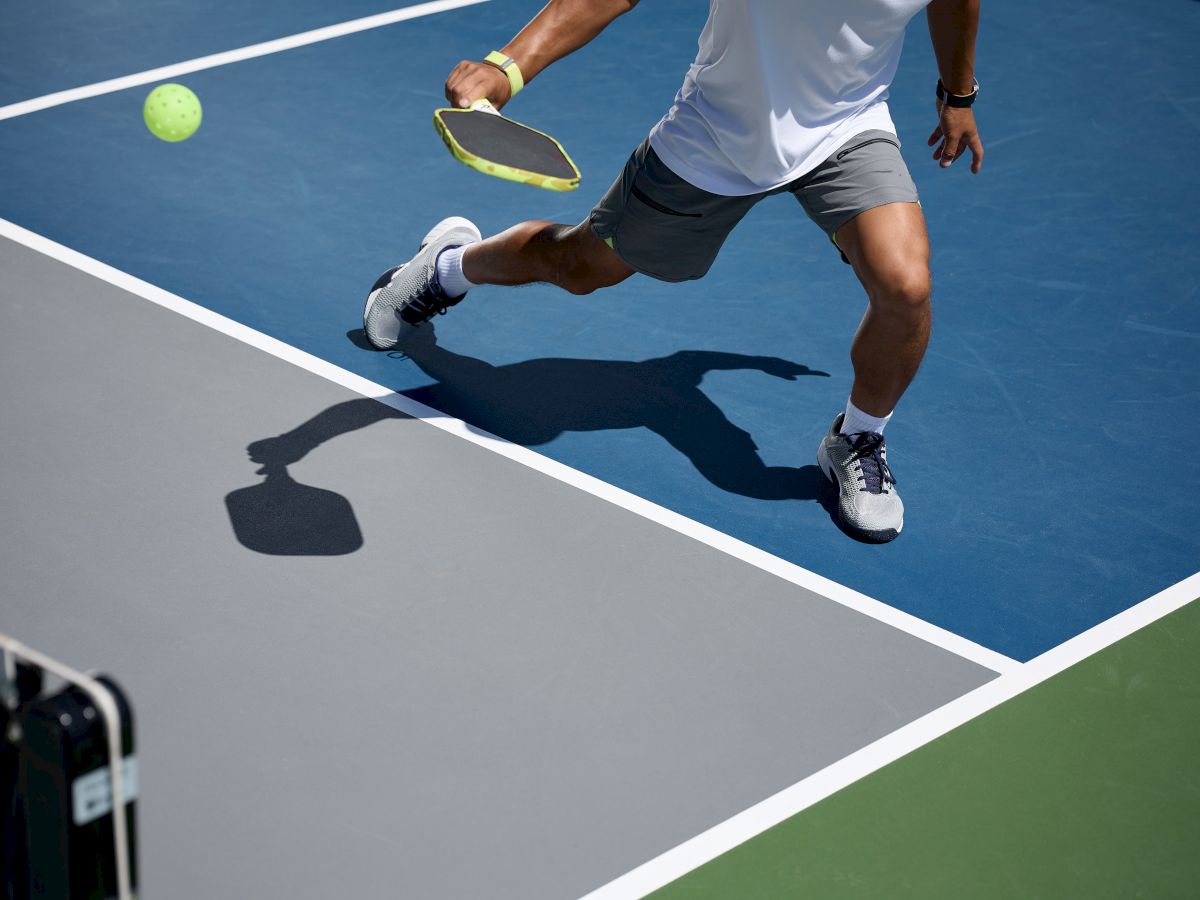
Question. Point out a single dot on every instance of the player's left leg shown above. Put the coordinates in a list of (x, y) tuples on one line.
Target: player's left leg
[(889, 250), (862, 197)]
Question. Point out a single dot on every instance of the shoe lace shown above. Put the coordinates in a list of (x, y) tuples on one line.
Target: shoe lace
[(868, 450), (431, 303)]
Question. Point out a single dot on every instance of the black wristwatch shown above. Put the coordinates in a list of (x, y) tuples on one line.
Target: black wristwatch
[(959, 101)]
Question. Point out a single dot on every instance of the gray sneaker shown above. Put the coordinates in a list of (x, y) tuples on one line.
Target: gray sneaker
[(410, 293), (868, 505)]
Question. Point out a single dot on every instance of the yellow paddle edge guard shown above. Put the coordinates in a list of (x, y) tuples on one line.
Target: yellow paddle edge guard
[(496, 170)]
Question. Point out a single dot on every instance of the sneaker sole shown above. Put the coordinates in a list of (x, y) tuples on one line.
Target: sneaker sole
[(380, 283)]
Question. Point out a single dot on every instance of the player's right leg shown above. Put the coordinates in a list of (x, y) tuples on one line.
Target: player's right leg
[(453, 258), (650, 221)]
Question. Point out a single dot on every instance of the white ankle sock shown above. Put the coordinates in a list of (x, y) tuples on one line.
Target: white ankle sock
[(856, 420), (450, 272)]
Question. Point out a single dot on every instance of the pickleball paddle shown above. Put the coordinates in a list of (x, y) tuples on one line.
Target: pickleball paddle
[(498, 146)]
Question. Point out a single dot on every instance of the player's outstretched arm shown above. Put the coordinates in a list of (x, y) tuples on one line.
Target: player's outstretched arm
[(953, 25), (561, 28)]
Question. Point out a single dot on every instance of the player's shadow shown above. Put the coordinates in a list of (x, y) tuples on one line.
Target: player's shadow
[(534, 401), (528, 403)]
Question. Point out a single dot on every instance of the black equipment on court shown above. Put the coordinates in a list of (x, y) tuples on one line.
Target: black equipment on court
[(57, 832), (24, 687)]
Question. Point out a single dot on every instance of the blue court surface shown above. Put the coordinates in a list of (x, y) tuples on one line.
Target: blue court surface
[(1044, 452)]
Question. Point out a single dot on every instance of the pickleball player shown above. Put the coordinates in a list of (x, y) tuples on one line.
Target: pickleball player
[(784, 97)]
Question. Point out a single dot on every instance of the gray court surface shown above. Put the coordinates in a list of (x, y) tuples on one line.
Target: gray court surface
[(510, 689)]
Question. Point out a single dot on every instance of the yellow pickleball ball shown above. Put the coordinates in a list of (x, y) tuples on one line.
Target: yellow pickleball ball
[(172, 112)]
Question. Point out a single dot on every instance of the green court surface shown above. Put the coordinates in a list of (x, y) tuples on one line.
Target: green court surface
[(1088, 785)]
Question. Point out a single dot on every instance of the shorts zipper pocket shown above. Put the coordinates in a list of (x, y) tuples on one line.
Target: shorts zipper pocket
[(641, 195), (878, 140)]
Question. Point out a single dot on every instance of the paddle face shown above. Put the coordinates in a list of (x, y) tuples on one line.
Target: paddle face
[(486, 141)]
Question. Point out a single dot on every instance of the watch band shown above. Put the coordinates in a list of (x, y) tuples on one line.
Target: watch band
[(509, 67), (958, 101)]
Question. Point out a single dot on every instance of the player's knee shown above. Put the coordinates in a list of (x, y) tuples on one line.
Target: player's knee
[(903, 288), (589, 265)]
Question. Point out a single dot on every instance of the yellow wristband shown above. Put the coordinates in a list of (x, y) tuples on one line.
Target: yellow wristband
[(509, 67)]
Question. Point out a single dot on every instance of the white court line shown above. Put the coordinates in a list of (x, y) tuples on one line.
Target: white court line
[(165, 73), (691, 854), (831, 590)]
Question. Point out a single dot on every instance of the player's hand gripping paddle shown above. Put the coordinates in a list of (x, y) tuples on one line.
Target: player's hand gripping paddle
[(490, 143)]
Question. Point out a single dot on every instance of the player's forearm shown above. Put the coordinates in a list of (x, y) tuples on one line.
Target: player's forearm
[(953, 25), (562, 27)]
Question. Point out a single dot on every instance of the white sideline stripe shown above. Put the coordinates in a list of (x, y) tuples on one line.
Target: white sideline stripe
[(704, 847), (861, 603), (165, 73)]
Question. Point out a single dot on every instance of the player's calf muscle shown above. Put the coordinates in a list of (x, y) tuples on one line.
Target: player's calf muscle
[(511, 257), (570, 257)]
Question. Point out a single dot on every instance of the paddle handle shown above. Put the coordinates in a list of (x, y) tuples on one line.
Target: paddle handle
[(484, 105)]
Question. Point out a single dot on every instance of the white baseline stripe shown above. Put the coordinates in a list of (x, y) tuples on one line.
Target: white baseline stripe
[(165, 73), (691, 854), (897, 619)]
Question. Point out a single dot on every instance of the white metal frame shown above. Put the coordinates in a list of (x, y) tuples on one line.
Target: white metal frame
[(104, 701)]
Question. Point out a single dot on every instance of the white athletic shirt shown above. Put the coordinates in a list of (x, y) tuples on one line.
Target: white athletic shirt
[(777, 85)]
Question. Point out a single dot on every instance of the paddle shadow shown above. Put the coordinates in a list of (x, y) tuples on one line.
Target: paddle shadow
[(282, 517)]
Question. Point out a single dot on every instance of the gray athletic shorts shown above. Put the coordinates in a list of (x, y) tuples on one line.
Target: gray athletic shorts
[(662, 226)]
